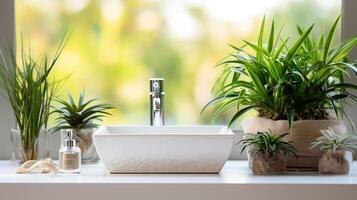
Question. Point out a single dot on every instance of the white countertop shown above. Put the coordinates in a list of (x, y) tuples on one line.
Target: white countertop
[(235, 180), (234, 172)]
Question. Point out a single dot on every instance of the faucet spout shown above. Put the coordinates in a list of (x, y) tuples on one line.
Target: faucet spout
[(157, 121), (157, 102)]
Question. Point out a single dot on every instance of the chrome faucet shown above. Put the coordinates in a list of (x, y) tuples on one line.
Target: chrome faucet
[(157, 101)]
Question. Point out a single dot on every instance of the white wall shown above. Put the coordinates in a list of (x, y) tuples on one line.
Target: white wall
[(349, 29), (7, 40)]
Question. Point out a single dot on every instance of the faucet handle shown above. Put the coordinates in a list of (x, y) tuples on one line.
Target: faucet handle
[(157, 85)]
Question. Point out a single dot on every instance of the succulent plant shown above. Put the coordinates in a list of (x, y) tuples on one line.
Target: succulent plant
[(331, 141), (268, 143), (80, 115)]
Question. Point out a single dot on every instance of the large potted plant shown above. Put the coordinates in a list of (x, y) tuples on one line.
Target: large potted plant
[(30, 91), (82, 117), (294, 86)]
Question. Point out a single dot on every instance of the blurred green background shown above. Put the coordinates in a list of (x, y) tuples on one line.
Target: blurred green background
[(116, 46)]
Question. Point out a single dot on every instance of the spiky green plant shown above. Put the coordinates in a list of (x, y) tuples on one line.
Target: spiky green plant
[(80, 115), (268, 143), (331, 141), (283, 81), (27, 86)]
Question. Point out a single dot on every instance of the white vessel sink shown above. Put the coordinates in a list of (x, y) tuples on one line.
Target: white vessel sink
[(168, 149)]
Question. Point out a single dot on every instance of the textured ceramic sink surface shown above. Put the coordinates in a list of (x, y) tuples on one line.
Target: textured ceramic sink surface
[(168, 149)]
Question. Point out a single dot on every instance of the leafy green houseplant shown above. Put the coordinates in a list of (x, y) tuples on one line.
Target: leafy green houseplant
[(267, 152), (337, 152), (30, 91), (82, 116), (287, 82)]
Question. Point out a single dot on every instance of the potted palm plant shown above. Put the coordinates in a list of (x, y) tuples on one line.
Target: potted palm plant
[(267, 152), (337, 152), (30, 91), (81, 116), (295, 87)]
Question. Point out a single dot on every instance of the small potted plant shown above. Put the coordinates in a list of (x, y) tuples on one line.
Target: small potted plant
[(267, 152), (337, 152), (82, 117), (30, 90)]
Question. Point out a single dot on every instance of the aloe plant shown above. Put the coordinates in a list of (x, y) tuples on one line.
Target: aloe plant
[(27, 86), (268, 143), (300, 80), (81, 114), (331, 141)]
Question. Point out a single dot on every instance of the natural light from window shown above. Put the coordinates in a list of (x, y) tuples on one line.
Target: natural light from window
[(117, 45)]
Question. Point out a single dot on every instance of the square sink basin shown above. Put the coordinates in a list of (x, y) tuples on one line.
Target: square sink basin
[(167, 149)]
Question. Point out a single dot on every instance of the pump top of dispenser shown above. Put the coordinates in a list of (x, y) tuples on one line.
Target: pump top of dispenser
[(68, 134), (69, 141)]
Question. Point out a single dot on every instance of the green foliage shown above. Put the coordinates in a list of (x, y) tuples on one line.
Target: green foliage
[(114, 53), (303, 80), (268, 143), (331, 141), (30, 92), (80, 115)]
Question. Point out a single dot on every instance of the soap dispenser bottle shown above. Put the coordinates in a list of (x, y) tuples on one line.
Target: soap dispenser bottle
[(69, 155)]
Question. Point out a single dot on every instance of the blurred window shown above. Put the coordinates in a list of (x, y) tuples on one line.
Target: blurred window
[(117, 45)]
